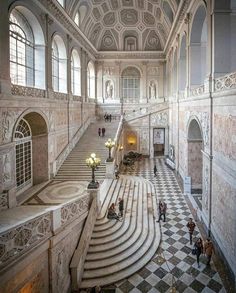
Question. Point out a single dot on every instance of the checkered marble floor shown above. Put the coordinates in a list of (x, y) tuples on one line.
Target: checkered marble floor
[(173, 265)]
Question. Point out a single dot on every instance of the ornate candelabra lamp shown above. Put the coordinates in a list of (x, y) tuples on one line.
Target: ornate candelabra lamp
[(93, 163), (109, 144)]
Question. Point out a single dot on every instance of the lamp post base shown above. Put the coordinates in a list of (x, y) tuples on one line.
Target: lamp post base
[(93, 185)]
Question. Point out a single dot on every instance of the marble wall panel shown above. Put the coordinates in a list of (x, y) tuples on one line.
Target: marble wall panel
[(61, 142), (225, 135), (224, 213), (60, 258), (195, 163)]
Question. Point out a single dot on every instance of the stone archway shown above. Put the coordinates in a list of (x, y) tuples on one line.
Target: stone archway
[(195, 160), (31, 138)]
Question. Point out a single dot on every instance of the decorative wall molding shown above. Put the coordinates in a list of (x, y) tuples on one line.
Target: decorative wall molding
[(74, 209), (20, 239), (198, 91), (142, 55), (60, 96), (18, 90)]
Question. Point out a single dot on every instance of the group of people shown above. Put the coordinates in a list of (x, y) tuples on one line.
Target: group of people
[(107, 117), (112, 215), (101, 131), (199, 247)]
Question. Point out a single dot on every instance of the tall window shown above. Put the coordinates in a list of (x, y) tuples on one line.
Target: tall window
[(131, 85), (27, 49), (55, 66), (23, 155), (91, 80), (75, 73), (77, 18), (21, 50), (59, 65)]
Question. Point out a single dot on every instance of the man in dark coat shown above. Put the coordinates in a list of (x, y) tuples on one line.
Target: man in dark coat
[(121, 206)]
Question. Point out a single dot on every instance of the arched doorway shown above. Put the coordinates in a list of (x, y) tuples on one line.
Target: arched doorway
[(195, 162), (31, 140)]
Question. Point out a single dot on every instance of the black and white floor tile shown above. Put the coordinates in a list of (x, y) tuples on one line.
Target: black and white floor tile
[(173, 268)]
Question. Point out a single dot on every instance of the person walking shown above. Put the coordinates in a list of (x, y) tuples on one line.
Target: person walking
[(117, 172), (110, 117), (121, 207), (99, 131), (198, 250), (155, 170), (103, 131), (105, 117), (191, 226), (162, 211), (208, 250)]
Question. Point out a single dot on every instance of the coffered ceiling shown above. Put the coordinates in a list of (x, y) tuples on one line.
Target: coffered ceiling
[(125, 25)]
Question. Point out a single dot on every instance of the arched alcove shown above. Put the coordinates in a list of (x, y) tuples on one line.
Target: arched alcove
[(198, 42), (195, 161), (59, 65), (182, 65), (131, 85), (27, 49), (31, 138)]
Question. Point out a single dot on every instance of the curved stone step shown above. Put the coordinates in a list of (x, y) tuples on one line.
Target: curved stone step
[(109, 262)]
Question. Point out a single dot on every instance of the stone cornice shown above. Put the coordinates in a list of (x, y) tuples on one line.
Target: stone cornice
[(137, 55), (57, 13)]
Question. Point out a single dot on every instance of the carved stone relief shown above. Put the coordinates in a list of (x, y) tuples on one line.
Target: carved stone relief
[(7, 170), (109, 89), (152, 90), (152, 42), (206, 181), (159, 119), (7, 125), (129, 16)]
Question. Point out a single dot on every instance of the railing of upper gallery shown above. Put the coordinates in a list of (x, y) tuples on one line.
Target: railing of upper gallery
[(18, 240), (225, 82)]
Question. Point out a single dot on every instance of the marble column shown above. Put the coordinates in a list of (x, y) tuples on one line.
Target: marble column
[(84, 93), (5, 81)]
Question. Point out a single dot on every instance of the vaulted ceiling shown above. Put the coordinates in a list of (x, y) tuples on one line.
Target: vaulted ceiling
[(119, 25)]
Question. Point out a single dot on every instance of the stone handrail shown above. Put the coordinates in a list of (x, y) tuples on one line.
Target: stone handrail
[(18, 90), (225, 82), (117, 137), (18, 239), (145, 111)]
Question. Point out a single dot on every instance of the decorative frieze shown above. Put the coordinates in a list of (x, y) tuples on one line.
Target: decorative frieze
[(159, 119), (74, 209), (226, 82), (60, 96), (18, 240), (25, 91)]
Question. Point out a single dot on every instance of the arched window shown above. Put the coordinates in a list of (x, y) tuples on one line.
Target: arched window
[(23, 140), (27, 49), (130, 85), (198, 50), (76, 19), (91, 80), (75, 73), (59, 65)]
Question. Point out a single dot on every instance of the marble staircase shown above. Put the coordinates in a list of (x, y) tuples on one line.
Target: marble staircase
[(120, 248), (74, 167)]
